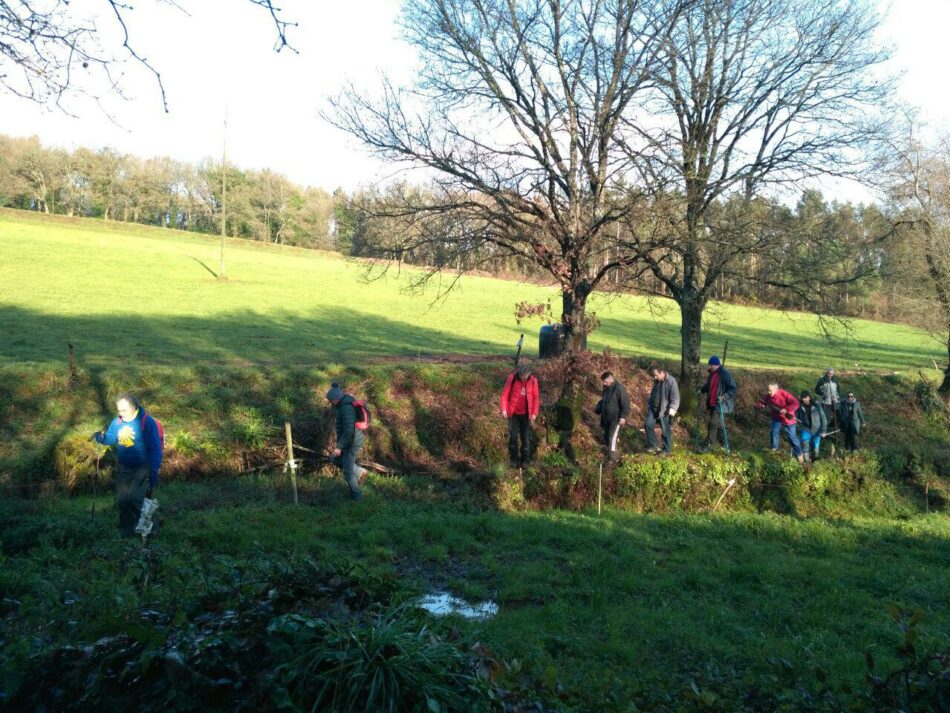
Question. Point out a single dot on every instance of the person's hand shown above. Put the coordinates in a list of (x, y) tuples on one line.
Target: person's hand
[(623, 422), (98, 437), (719, 399), (783, 412), (337, 452), (672, 412), (534, 417), (504, 414)]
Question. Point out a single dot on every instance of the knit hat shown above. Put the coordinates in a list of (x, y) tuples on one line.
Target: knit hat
[(335, 393), (714, 361), (523, 372)]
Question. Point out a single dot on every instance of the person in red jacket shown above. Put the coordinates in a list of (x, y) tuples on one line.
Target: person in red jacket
[(519, 404), (782, 407)]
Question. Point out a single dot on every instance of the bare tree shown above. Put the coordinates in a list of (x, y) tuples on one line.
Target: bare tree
[(517, 116), (921, 193), (46, 45), (752, 95)]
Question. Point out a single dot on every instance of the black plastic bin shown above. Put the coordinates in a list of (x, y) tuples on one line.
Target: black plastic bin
[(551, 340)]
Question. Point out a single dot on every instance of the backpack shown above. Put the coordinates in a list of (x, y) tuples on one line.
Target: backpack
[(362, 415), (158, 424)]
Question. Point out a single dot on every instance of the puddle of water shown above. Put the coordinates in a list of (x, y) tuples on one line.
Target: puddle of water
[(443, 604)]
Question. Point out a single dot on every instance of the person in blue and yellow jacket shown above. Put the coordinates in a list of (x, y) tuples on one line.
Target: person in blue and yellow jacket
[(138, 446)]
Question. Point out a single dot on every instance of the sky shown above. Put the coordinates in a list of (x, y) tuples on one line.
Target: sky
[(218, 60)]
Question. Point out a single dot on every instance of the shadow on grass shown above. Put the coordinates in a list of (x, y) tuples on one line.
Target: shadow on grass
[(771, 348)]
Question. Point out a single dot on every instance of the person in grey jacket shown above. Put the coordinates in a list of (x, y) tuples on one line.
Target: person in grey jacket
[(851, 419), (662, 406), (812, 425), (613, 408), (349, 440), (828, 394)]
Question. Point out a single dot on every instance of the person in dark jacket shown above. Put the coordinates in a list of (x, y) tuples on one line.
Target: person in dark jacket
[(782, 406), (851, 420), (828, 394), (720, 390), (662, 405), (520, 404), (349, 440), (613, 409), (138, 448), (812, 425)]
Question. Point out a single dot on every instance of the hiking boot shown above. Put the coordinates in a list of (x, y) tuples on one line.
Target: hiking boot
[(663, 454), (705, 448), (653, 450)]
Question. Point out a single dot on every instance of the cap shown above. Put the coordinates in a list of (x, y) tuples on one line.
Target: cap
[(335, 393), (714, 361)]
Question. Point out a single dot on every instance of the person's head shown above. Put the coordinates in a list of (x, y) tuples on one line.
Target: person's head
[(714, 363), (773, 388), (127, 406), (523, 373), (335, 393), (657, 372), (805, 397), (851, 397), (830, 371), (607, 379)]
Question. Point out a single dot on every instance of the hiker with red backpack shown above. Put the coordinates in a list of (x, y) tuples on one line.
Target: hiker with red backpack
[(352, 418), (520, 403), (138, 439), (782, 406)]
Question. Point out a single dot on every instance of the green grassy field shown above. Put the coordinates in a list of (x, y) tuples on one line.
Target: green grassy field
[(149, 295), (595, 612)]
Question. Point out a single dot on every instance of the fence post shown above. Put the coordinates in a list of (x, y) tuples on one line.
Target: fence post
[(291, 463)]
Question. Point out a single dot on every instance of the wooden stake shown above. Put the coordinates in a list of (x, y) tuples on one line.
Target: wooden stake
[(600, 487), (291, 463), (73, 376), (927, 495), (728, 486)]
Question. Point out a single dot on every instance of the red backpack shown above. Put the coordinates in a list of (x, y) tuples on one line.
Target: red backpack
[(362, 415), (158, 424)]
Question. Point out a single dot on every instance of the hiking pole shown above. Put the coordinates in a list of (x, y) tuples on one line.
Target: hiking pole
[(518, 353), (728, 487), (95, 483), (722, 414), (600, 486), (291, 463)]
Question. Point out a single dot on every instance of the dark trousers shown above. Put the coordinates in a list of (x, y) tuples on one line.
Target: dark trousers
[(519, 427), (612, 438), (831, 416), (851, 439), (664, 423), (346, 461), (131, 486), (713, 425)]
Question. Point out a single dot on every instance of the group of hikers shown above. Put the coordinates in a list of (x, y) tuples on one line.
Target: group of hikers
[(138, 438), (804, 421)]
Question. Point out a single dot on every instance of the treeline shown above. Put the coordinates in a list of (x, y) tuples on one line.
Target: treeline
[(266, 206), (261, 205)]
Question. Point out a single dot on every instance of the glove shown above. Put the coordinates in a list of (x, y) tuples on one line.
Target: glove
[(98, 437), (672, 412), (148, 493)]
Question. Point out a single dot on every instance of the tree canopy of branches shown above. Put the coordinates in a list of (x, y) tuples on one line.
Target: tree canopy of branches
[(921, 192), (48, 48), (518, 117), (753, 95)]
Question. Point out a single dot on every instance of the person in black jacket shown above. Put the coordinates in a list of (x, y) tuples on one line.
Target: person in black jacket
[(720, 390), (851, 420), (349, 440), (662, 405), (613, 407), (812, 425)]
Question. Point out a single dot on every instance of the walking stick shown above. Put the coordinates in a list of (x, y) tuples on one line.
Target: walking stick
[(95, 483), (722, 415), (600, 482), (518, 353), (728, 487)]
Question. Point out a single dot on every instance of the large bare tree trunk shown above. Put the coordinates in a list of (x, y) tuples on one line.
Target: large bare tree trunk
[(691, 342), (945, 386)]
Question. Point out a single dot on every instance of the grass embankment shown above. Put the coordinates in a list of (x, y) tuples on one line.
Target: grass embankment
[(135, 295)]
